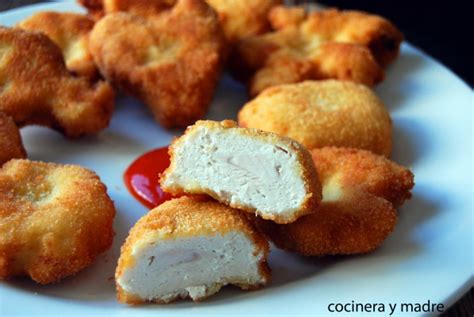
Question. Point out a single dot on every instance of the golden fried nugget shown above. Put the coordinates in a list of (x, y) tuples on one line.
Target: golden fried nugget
[(174, 63), (372, 31), (360, 193), (54, 220), (322, 113), (36, 87), (256, 171), (190, 247), (70, 31), (11, 145), (325, 44), (242, 18), (94, 7)]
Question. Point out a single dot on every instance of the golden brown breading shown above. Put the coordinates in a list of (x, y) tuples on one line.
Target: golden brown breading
[(373, 31), (322, 113), (70, 31), (174, 70), (11, 145), (242, 18), (36, 87), (325, 44), (94, 8), (259, 174), (360, 193), (188, 217), (54, 220)]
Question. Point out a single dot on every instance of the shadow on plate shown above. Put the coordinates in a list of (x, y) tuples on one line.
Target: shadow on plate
[(410, 142), (398, 86)]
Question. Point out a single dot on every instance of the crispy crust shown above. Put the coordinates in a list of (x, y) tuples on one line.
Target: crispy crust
[(36, 87), (373, 31), (70, 32), (346, 45), (10, 140), (243, 18), (189, 217), (173, 70), (322, 113), (54, 220), (308, 172), (358, 213)]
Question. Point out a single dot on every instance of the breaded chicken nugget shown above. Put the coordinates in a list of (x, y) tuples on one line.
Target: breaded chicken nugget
[(373, 31), (322, 113), (69, 31), (242, 18), (94, 7), (360, 193), (256, 171), (11, 145), (54, 220), (36, 87), (190, 247), (344, 45), (173, 66)]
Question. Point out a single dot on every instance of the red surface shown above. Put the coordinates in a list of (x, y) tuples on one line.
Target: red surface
[(143, 175)]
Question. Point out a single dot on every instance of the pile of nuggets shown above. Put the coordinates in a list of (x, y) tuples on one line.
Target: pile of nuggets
[(306, 166)]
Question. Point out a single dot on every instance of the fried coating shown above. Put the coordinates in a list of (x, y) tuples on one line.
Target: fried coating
[(252, 170), (190, 247), (372, 31), (360, 193), (174, 70), (239, 18), (69, 31), (242, 18), (345, 45), (54, 220), (37, 88), (322, 113), (11, 145)]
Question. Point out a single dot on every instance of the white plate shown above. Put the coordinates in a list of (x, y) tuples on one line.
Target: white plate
[(428, 257)]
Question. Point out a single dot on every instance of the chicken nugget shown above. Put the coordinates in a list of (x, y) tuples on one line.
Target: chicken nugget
[(322, 113), (37, 88), (256, 171), (345, 45), (242, 18), (190, 247), (357, 213), (69, 31), (11, 145), (54, 220), (174, 70)]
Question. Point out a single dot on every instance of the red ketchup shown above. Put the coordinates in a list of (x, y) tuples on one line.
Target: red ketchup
[(143, 175)]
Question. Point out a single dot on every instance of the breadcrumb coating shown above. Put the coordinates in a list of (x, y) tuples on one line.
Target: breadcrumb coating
[(37, 88), (174, 70), (360, 193), (322, 113), (188, 217), (10, 140), (345, 45), (69, 31), (54, 220)]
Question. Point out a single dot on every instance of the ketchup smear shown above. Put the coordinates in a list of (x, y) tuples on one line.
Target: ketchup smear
[(143, 175)]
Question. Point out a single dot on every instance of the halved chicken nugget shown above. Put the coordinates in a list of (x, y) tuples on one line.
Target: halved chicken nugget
[(54, 220), (360, 193), (190, 247), (69, 31), (170, 59), (37, 88), (322, 113), (256, 171), (11, 145)]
